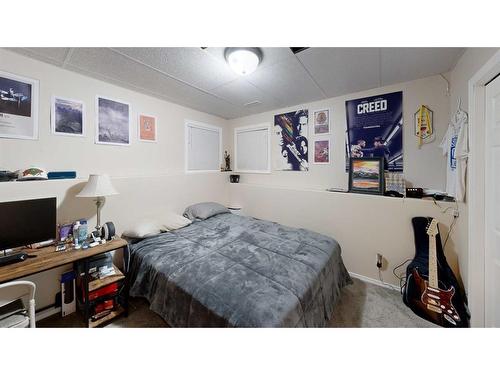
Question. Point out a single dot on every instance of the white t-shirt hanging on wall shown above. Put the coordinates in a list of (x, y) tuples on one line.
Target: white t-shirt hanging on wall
[(455, 148)]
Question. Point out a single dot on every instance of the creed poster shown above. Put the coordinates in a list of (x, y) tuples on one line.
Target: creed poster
[(375, 129)]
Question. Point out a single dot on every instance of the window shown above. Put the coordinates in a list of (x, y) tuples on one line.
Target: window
[(252, 149), (203, 147)]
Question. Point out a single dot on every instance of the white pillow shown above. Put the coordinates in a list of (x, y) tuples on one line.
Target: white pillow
[(173, 221), (144, 228)]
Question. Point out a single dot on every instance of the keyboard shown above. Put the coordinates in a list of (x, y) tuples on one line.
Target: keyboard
[(14, 258)]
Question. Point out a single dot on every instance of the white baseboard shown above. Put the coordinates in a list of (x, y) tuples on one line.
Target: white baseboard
[(45, 313), (374, 281)]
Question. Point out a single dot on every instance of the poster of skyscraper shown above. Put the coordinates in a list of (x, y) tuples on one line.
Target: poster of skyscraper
[(375, 129)]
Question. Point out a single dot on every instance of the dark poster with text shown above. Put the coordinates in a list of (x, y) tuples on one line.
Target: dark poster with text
[(375, 129)]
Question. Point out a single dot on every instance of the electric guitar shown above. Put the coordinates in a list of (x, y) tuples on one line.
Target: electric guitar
[(435, 304)]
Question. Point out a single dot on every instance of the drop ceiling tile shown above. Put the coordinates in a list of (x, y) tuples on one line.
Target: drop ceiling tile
[(104, 78), (206, 103), (54, 55), (191, 65), (340, 71), (258, 108), (287, 81), (270, 55), (108, 65), (242, 92), (406, 64)]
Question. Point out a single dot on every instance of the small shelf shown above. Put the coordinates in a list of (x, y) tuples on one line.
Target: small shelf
[(113, 314), (99, 283)]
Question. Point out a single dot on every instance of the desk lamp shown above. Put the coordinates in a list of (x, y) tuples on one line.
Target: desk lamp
[(98, 186)]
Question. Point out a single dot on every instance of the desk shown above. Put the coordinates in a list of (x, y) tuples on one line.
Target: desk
[(48, 258)]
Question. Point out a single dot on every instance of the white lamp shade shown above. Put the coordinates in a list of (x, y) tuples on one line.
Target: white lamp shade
[(98, 185)]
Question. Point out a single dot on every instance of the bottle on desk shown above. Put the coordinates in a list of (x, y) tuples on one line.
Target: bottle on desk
[(76, 234), (79, 233), (82, 232)]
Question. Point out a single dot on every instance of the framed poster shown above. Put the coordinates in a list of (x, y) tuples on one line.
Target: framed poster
[(67, 117), (322, 121), (291, 137), (375, 129), (322, 151), (147, 128), (18, 106), (113, 122), (366, 175)]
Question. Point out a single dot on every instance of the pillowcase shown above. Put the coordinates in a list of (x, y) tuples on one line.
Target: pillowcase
[(143, 229), (173, 221), (204, 210)]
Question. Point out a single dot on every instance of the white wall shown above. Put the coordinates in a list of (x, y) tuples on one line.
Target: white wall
[(149, 176), (470, 62), (363, 225)]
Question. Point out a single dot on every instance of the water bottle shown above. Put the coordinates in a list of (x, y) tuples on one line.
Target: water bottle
[(82, 232), (76, 234)]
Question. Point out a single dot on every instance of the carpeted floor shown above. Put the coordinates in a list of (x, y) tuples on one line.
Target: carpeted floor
[(367, 305), (361, 305)]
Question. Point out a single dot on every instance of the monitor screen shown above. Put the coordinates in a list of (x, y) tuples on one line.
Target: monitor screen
[(27, 222)]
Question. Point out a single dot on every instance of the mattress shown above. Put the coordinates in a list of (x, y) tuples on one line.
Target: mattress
[(237, 271)]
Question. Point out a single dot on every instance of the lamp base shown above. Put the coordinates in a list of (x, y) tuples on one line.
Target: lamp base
[(99, 202)]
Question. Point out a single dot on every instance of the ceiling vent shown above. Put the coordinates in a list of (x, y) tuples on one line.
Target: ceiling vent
[(253, 104), (296, 50)]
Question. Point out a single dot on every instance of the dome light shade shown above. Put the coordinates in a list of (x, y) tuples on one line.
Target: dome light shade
[(243, 60)]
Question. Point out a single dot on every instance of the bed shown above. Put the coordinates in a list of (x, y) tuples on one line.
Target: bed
[(237, 271)]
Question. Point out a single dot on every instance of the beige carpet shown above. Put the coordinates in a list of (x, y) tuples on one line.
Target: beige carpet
[(361, 305), (367, 305)]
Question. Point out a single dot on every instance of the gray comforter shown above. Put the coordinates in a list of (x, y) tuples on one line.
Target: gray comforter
[(237, 271)]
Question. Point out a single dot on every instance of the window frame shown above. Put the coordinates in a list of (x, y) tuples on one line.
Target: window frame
[(263, 126), (200, 125)]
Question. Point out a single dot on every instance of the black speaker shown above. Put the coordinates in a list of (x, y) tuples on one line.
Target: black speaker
[(414, 192), (108, 231)]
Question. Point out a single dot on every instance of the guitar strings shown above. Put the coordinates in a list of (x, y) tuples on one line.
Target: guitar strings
[(402, 276)]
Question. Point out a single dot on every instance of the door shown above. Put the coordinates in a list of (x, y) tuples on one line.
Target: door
[(492, 205)]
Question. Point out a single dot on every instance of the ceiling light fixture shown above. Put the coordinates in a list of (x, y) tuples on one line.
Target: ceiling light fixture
[(243, 60)]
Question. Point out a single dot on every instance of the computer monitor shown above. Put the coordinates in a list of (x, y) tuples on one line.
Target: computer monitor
[(27, 222)]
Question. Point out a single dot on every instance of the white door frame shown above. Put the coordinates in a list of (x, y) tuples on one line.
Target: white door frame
[(476, 188)]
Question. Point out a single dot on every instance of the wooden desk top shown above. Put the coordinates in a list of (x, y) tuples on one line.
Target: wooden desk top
[(48, 258)]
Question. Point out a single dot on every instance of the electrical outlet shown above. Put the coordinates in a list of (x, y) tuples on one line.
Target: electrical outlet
[(456, 213), (379, 260)]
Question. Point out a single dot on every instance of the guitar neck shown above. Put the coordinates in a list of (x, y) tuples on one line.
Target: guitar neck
[(433, 270)]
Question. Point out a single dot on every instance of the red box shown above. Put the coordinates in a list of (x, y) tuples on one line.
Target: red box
[(108, 289), (106, 305)]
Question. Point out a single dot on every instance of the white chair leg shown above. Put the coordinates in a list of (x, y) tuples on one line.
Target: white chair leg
[(31, 313)]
